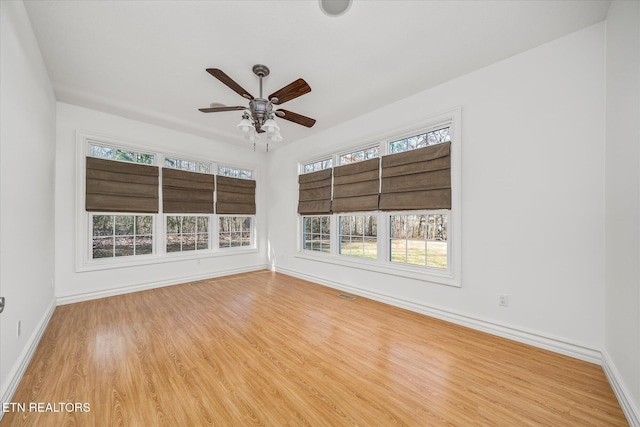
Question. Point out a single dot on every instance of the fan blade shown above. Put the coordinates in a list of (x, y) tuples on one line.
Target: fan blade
[(219, 109), (220, 75), (298, 118), (291, 91)]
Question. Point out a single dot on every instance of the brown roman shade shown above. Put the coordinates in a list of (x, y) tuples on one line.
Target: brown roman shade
[(356, 186), (113, 186), (417, 179), (236, 196), (187, 192), (314, 193)]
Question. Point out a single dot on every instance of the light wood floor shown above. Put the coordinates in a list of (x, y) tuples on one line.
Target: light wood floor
[(270, 350)]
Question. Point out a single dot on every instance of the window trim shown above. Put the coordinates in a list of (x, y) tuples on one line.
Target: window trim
[(451, 277), (83, 227)]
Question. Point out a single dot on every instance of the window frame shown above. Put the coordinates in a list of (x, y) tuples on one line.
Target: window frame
[(198, 163), (239, 170), (302, 236), (181, 251), (115, 214), (452, 275), (83, 224), (252, 244), (340, 155), (339, 235)]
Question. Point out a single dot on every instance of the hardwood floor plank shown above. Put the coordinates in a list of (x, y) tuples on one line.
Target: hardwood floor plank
[(268, 349)]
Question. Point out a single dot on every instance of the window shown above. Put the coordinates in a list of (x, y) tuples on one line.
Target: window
[(422, 140), (235, 172), (187, 233), (359, 156), (419, 239), (235, 231), (110, 153), (316, 235), (121, 235), (358, 235), (137, 206), (187, 165), (411, 226), (317, 166)]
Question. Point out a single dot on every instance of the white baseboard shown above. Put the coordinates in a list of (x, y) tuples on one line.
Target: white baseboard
[(527, 337), (69, 299), (19, 368), (630, 409)]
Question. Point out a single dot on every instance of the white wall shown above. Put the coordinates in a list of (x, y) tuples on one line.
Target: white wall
[(73, 286), (532, 197), (622, 227), (27, 150)]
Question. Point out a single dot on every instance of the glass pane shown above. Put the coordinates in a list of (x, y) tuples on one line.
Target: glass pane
[(102, 152), (315, 224), (344, 225), (357, 226), (147, 159), (202, 242), (224, 224), (173, 243), (173, 224), (188, 242), (203, 224), (415, 226), (189, 224), (306, 224), (144, 225), (437, 227), (236, 239), (224, 240), (102, 225), (416, 252), (124, 246), (246, 224), (437, 254), (398, 250), (124, 225), (397, 226), (128, 156), (144, 245), (102, 247), (325, 225), (370, 247), (345, 245), (371, 226)]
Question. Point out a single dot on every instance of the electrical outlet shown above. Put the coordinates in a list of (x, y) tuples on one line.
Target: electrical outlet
[(503, 300), (19, 327)]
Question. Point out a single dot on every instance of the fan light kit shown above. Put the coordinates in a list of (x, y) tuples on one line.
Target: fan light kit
[(259, 117)]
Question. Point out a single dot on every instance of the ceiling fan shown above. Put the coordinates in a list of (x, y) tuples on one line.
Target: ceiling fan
[(259, 116)]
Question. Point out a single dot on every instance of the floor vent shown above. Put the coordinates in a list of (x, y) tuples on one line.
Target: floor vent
[(345, 296)]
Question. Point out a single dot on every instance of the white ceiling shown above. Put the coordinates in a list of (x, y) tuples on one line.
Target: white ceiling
[(146, 60)]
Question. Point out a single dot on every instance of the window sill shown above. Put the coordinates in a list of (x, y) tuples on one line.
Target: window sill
[(142, 260), (417, 273)]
